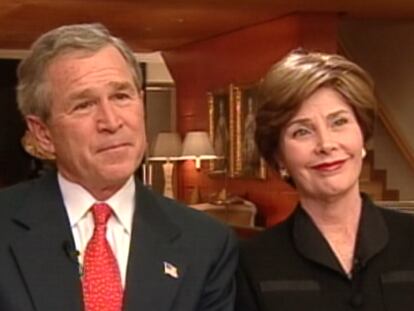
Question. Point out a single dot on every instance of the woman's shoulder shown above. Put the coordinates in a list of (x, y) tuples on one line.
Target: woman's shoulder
[(400, 225), (397, 217), (278, 234)]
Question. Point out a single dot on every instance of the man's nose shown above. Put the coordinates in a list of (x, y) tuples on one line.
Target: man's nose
[(108, 117)]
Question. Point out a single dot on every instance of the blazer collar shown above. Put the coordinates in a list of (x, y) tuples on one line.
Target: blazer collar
[(151, 213), (155, 249), (372, 237), (42, 249), (373, 233), (50, 271)]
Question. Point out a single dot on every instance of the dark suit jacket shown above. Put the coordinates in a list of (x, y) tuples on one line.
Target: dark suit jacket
[(36, 273), (292, 267)]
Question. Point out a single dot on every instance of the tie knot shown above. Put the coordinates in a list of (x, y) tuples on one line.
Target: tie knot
[(101, 213)]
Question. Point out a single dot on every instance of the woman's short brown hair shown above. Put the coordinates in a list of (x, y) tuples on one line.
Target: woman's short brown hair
[(295, 78)]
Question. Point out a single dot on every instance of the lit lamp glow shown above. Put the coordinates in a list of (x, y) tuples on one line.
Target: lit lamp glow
[(197, 146), (167, 148)]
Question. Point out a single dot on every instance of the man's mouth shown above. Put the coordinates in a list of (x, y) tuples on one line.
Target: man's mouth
[(113, 147)]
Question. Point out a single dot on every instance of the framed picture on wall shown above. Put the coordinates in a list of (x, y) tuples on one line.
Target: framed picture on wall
[(221, 129), (247, 162)]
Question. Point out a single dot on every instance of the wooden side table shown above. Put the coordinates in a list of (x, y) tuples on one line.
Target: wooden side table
[(239, 213)]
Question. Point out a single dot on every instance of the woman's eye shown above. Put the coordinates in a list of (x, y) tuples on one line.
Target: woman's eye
[(340, 121), (300, 132)]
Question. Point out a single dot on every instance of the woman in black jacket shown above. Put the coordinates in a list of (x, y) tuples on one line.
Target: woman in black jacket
[(338, 250)]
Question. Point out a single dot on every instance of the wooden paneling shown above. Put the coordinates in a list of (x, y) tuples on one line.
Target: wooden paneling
[(239, 57), (149, 25)]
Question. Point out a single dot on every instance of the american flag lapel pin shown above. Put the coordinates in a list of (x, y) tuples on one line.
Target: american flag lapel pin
[(170, 270)]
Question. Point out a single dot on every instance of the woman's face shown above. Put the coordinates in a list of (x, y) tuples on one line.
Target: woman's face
[(322, 146)]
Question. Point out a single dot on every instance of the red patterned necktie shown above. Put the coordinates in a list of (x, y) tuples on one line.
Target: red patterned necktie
[(102, 288)]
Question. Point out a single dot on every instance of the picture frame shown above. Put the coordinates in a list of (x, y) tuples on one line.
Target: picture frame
[(247, 161), (221, 130)]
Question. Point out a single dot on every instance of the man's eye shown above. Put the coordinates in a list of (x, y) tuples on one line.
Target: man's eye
[(82, 105), (121, 96)]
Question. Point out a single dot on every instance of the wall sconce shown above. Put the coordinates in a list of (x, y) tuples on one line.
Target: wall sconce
[(167, 148), (197, 146)]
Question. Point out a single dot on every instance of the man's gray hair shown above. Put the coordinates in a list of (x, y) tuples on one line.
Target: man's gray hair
[(33, 93)]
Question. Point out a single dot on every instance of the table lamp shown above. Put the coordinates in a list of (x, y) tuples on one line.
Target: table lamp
[(167, 148), (197, 146)]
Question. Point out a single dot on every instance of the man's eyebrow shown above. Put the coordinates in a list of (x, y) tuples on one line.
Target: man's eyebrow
[(119, 86), (122, 85), (80, 95)]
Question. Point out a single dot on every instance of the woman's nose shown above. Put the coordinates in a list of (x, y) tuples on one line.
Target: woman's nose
[(326, 141)]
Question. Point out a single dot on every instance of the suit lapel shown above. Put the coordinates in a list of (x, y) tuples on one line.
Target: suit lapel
[(50, 275), (155, 257)]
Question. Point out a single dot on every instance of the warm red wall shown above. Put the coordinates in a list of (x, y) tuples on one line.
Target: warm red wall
[(240, 57)]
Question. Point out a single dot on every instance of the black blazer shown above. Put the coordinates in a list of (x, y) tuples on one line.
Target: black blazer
[(292, 267), (37, 273)]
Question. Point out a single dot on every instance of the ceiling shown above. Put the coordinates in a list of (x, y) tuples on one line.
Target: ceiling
[(150, 25)]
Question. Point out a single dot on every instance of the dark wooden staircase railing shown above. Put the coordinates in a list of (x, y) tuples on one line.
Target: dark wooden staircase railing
[(374, 181)]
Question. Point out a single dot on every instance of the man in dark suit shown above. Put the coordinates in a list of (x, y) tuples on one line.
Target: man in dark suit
[(89, 236)]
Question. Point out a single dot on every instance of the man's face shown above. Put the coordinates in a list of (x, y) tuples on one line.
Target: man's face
[(96, 126)]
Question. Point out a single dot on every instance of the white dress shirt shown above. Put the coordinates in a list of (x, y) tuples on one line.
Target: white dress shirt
[(78, 202)]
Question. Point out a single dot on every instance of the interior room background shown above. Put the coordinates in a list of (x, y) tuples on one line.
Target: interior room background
[(179, 103)]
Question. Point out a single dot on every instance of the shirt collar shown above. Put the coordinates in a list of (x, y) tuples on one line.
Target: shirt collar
[(78, 201)]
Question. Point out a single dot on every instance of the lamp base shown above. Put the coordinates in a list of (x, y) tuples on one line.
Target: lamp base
[(195, 197), (168, 169)]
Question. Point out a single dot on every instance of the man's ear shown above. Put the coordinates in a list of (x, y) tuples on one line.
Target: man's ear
[(141, 93), (41, 133)]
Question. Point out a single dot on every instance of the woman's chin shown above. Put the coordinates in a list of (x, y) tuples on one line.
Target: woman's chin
[(331, 190)]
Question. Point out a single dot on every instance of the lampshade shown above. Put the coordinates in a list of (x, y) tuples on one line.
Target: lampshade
[(167, 146), (197, 146)]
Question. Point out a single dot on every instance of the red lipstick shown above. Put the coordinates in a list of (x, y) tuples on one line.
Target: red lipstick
[(328, 166)]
